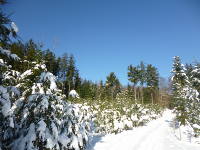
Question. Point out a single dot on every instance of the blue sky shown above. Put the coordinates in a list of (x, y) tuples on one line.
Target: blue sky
[(108, 35)]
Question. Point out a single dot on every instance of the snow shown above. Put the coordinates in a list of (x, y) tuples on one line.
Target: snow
[(74, 143), (64, 140), (157, 135), (4, 101), (196, 126), (37, 88), (41, 129), (1, 61), (14, 27), (27, 141), (73, 94), (26, 73), (49, 76), (11, 122), (8, 54)]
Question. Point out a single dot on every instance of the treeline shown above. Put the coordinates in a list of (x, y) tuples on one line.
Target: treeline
[(144, 87)]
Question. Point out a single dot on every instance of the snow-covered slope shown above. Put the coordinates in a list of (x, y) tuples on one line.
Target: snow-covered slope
[(157, 135)]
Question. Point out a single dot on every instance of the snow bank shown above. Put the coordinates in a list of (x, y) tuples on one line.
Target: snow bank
[(8, 54)]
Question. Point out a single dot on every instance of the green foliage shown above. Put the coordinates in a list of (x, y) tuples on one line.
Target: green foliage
[(133, 74), (148, 79), (116, 115), (185, 90), (112, 85), (152, 78)]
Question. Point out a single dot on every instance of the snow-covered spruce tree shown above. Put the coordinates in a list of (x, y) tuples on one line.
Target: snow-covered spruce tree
[(179, 81), (194, 96), (186, 95), (195, 77), (46, 121), (8, 95)]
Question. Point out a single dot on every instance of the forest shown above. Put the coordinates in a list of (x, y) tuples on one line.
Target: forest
[(45, 104)]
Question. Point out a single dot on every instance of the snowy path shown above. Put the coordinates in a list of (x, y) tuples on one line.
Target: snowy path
[(157, 135)]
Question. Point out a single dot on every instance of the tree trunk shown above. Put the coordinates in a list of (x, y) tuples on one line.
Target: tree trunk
[(138, 91), (152, 98), (69, 86), (142, 96), (135, 94)]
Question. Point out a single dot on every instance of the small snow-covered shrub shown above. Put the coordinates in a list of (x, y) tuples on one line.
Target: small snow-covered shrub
[(115, 116)]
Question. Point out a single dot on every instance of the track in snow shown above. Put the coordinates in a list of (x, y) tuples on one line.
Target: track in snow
[(157, 135)]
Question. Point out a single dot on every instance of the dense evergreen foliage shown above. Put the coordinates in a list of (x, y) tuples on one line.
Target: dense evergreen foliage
[(185, 90), (145, 81)]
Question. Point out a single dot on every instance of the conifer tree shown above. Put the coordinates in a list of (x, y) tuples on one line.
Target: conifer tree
[(46, 121), (70, 74), (152, 80), (8, 28), (113, 84), (179, 81), (51, 62), (133, 76), (8, 95), (142, 77), (195, 77)]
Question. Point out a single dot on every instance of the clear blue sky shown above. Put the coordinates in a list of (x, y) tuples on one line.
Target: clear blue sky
[(108, 35)]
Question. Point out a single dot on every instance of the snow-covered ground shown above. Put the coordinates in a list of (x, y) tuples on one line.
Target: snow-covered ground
[(157, 135)]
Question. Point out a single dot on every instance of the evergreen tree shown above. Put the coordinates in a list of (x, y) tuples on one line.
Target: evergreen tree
[(113, 84), (142, 77), (46, 120), (152, 81), (179, 81), (63, 64), (70, 74), (133, 76), (188, 70), (8, 95), (77, 81), (86, 90), (195, 77), (33, 52), (51, 62), (8, 28)]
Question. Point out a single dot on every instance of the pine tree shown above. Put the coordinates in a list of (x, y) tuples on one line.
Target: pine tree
[(133, 76), (142, 77), (152, 80)]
